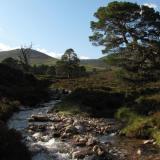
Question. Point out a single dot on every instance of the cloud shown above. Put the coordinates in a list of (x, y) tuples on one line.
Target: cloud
[(151, 5), (50, 53), (84, 57), (5, 47)]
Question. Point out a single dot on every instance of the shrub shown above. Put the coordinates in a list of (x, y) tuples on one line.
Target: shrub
[(24, 87), (149, 103), (11, 146), (125, 114), (7, 108)]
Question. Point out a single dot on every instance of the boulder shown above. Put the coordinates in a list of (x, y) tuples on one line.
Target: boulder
[(39, 118), (71, 129), (91, 141), (80, 128)]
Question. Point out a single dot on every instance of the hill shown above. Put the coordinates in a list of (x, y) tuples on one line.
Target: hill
[(93, 63), (39, 58), (36, 57)]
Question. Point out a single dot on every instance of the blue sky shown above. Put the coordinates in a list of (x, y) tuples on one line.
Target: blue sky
[(52, 25)]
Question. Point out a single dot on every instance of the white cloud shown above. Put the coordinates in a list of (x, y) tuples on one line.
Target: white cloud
[(5, 47), (151, 5), (50, 53), (84, 57)]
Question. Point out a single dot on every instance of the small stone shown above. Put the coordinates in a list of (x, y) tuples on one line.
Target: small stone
[(78, 155), (91, 141), (71, 129)]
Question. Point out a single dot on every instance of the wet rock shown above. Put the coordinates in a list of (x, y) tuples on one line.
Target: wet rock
[(98, 150), (80, 128), (78, 155), (82, 153), (39, 118), (65, 135), (150, 141), (91, 141), (37, 135), (71, 129)]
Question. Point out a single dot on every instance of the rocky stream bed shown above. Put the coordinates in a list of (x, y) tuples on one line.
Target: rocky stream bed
[(51, 136)]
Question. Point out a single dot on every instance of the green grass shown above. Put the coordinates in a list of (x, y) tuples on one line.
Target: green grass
[(156, 136), (139, 126), (68, 108)]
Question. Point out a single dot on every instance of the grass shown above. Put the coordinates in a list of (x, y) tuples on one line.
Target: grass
[(139, 126), (97, 80), (68, 108)]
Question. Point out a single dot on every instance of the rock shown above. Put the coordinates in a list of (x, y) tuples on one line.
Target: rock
[(150, 141), (78, 155), (91, 141), (139, 151), (37, 135), (82, 153), (39, 118), (71, 129), (98, 150), (80, 128), (69, 121), (65, 135)]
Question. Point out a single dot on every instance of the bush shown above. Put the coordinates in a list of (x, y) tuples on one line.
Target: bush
[(149, 103), (7, 108), (11, 146), (24, 87), (102, 102), (125, 114)]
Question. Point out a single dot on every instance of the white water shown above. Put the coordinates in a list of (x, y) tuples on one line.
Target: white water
[(46, 148)]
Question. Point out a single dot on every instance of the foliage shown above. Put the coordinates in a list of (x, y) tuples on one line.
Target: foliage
[(11, 62), (68, 66), (96, 102), (131, 31), (125, 114), (43, 70), (16, 85), (7, 108)]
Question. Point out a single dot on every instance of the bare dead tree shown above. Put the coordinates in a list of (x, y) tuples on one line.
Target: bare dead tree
[(24, 56)]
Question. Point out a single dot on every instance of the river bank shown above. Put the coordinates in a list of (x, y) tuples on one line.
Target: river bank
[(50, 135)]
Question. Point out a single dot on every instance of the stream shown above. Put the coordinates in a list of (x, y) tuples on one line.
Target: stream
[(39, 131), (42, 150)]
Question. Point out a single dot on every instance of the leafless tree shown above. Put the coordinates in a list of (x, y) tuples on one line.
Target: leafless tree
[(24, 56)]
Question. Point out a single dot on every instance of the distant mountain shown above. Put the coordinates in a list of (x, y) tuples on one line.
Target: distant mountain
[(93, 63), (39, 58), (36, 56)]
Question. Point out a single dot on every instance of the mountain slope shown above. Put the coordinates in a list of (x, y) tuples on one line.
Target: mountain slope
[(93, 63), (36, 57), (39, 58)]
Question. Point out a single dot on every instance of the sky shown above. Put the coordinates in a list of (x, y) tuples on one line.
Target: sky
[(52, 26)]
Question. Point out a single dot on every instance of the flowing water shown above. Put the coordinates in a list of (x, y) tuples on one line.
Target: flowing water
[(47, 149)]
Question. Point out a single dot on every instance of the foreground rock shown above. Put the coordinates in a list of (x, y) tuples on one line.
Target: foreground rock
[(86, 137)]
